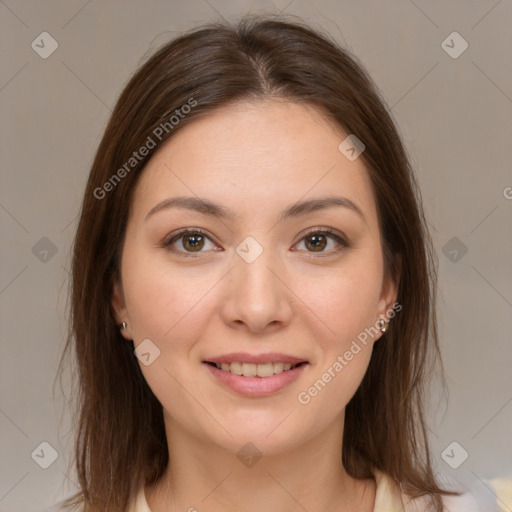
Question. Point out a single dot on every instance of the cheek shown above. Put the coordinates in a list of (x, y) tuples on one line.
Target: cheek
[(172, 310), (345, 301), (345, 309), (164, 304)]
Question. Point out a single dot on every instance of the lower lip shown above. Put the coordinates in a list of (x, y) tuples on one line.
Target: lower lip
[(256, 386)]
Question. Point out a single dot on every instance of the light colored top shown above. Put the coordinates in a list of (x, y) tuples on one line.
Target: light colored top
[(389, 498), (493, 497)]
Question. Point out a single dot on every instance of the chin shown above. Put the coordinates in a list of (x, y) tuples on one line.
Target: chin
[(269, 436)]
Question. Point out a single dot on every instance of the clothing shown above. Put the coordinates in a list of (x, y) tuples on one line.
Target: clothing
[(389, 498)]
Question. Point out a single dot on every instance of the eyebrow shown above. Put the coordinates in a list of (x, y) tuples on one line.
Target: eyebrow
[(207, 207)]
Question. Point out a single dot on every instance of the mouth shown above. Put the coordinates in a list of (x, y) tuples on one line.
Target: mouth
[(262, 370), (255, 375)]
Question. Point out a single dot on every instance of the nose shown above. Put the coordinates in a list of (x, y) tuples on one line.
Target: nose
[(257, 299)]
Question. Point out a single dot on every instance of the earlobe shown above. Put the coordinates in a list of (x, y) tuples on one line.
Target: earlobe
[(389, 293), (119, 308)]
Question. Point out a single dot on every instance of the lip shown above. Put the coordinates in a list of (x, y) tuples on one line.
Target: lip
[(244, 357), (257, 386)]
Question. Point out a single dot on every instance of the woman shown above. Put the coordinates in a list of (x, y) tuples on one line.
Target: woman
[(253, 290)]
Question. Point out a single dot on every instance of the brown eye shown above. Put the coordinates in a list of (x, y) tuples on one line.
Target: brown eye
[(193, 242), (188, 242), (323, 241), (316, 243)]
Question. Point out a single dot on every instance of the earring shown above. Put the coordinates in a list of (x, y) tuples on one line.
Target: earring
[(382, 325), (123, 326)]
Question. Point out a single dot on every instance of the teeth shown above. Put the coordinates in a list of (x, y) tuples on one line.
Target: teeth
[(264, 370), (253, 370)]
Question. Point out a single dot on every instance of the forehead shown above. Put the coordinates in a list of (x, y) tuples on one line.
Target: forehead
[(253, 155)]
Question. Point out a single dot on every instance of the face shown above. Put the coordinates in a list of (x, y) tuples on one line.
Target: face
[(281, 262)]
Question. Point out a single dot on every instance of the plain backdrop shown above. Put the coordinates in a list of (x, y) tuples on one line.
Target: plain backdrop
[(453, 107)]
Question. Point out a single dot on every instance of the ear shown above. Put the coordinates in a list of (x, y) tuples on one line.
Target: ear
[(119, 309), (389, 291)]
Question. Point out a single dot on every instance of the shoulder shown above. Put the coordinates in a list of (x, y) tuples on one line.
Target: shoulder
[(137, 504), (389, 497), (464, 503), (60, 507)]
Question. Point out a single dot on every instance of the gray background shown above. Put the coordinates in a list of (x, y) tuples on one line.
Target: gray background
[(455, 118)]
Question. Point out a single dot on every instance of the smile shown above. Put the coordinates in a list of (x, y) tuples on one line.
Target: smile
[(255, 380), (255, 370)]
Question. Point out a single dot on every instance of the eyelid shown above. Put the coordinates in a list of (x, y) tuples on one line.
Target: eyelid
[(338, 237), (174, 237), (322, 230)]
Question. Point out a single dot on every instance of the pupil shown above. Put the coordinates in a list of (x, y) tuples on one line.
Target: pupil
[(197, 242), (318, 242)]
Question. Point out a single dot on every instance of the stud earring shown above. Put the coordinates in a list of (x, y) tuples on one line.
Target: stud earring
[(123, 326), (382, 325)]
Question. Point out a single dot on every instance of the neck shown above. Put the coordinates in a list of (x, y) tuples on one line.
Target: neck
[(202, 476)]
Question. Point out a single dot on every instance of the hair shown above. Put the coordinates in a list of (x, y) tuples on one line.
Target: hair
[(120, 440)]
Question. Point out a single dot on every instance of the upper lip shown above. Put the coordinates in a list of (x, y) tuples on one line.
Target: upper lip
[(244, 357)]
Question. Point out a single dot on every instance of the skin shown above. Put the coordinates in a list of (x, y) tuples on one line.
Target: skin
[(256, 158)]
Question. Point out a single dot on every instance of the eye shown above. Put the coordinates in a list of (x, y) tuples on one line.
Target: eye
[(191, 242), (188, 241), (319, 239)]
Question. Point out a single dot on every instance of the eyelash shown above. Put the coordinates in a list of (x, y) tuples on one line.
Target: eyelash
[(342, 243)]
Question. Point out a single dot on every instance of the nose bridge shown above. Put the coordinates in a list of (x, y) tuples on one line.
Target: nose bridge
[(254, 271), (256, 297)]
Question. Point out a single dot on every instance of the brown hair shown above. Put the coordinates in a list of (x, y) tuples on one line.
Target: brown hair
[(120, 439)]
